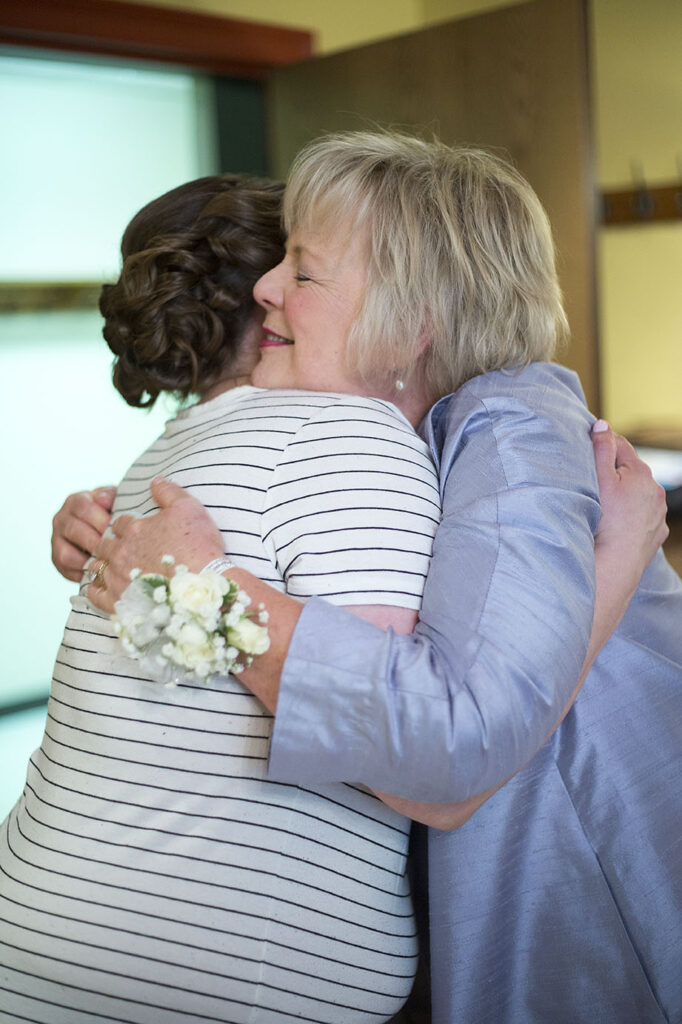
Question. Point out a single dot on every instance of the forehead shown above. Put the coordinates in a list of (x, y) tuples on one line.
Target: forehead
[(328, 210), (330, 244)]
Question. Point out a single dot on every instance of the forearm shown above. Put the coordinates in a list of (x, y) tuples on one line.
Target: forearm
[(616, 584), (263, 678)]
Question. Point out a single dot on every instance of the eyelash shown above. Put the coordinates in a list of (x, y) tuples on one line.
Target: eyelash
[(301, 277)]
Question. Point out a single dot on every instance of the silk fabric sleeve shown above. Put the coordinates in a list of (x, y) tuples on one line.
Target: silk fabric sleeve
[(465, 701)]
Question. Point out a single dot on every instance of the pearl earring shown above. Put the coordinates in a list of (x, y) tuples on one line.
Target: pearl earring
[(400, 385)]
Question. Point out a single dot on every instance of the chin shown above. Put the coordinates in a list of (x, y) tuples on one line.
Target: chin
[(266, 375)]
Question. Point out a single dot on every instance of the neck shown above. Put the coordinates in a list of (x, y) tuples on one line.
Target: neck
[(414, 407), (222, 386), (414, 400)]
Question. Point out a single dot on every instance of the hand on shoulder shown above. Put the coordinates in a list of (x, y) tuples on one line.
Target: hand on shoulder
[(633, 525)]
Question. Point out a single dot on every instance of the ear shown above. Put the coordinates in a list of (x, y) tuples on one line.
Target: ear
[(425, 336), (425, 339), (419, 352)]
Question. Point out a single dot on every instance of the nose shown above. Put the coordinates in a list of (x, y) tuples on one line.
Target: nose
[(267, 290)]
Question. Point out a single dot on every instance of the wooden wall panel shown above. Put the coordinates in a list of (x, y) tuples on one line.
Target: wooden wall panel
[(514, 79)]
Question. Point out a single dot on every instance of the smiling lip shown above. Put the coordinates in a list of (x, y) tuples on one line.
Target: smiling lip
[(272, 340)]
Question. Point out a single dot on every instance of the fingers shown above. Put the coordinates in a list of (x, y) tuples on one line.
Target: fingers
[(627, 456), (613, 452), (633, 504), (182, 528), (104, 496), (165, 493), (98, 570), (604, 443), (68, 560), (98, 591), (79, 518), (120, 526), (76, 530)]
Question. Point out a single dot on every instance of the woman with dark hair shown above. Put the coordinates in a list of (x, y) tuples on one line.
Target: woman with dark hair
[(181, 317), (150, 871)]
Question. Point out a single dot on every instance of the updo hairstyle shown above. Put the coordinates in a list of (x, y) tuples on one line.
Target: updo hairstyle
[(179, 310), (461, 257)]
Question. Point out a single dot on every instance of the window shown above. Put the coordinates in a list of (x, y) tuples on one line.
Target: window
[(84, 146)]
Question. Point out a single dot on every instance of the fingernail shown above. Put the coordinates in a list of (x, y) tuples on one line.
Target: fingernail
[(599, 426), (159, 480)]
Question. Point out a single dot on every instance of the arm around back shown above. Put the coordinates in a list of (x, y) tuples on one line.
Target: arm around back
[(463, 703)]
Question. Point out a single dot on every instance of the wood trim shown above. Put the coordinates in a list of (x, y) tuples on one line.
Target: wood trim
[(48, 296), (223, 46), (643, 205)]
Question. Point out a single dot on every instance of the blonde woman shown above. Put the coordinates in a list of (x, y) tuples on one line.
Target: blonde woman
[(439, 266)]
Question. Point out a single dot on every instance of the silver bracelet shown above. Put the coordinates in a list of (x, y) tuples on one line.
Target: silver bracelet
[(220, 565)]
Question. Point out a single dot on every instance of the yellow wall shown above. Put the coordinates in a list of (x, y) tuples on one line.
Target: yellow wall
[(637, 85), (638, 112)]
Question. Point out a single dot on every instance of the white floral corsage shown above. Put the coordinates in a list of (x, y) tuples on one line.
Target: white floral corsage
[(188, 625)]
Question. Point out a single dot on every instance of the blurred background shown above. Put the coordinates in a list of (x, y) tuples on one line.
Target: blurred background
[(106, 104)]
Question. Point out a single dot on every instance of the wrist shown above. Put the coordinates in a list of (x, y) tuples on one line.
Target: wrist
[(226, 567), (220, 565)]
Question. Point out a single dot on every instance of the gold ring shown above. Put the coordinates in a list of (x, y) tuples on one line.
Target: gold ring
[(98, 577)]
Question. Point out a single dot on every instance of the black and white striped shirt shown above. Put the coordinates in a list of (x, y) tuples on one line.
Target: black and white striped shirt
[(150, 872)]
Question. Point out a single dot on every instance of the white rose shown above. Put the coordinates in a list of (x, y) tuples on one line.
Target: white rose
[(248, 637), (198, 593), (194, 649)]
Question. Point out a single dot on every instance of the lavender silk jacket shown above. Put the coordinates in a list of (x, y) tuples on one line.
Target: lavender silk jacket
[(560, 902)]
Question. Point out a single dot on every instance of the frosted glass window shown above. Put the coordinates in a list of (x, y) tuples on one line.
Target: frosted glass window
[(83, 148), (64, 427)]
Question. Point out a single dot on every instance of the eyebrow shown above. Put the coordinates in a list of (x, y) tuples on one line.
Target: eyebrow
[(298, 250), (304, 250)]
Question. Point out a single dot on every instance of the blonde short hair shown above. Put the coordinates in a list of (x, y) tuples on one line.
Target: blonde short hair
[(461, 253)]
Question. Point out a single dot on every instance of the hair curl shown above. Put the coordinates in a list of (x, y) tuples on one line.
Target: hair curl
[(179, 310), (461, 254)]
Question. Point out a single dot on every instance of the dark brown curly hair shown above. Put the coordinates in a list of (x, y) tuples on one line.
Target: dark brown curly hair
[(177, 314)]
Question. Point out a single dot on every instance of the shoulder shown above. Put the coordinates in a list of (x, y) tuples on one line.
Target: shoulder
[(359, 428), (538, 388), (520, 420)]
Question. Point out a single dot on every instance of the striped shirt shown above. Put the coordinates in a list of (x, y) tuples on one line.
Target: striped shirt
[(150, 872)]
